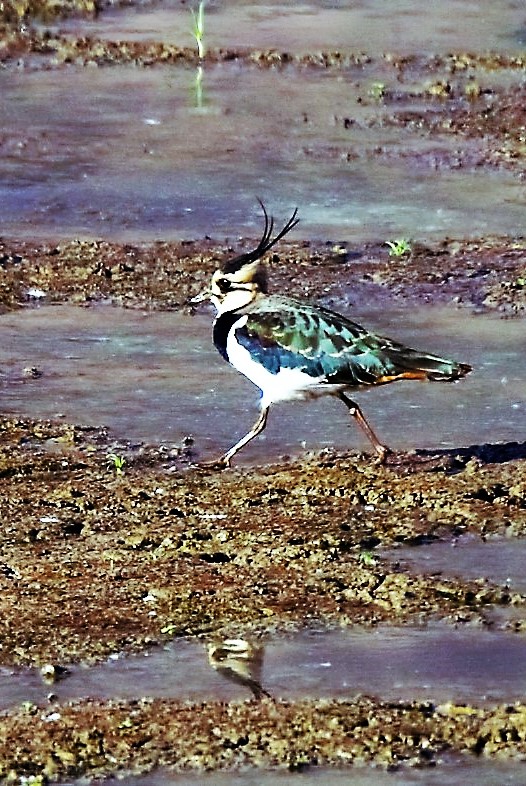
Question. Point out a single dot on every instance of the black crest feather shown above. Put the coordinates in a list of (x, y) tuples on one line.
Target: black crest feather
[(264, 245)]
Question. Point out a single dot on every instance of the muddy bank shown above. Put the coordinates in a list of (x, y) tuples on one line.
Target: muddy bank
[(100, 738), (485, 273), (254, 550), (101, 558), (21, 39), (112, 547)]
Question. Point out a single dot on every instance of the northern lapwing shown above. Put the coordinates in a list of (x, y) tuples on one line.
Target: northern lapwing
[(294, 350)]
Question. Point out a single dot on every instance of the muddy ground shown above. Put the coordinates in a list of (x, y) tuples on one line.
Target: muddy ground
[(247, 552)]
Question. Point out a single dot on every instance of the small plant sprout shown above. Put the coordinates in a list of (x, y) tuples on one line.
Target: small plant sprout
[(198, 28), (118, 463), (399, 247), (171, 629), (367, 559), (377, 91)]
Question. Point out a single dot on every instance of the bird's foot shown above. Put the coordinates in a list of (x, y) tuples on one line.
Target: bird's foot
[(382, 454), (216, 465)]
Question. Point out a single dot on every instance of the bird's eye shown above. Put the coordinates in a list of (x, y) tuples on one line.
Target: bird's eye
[(224, 284)]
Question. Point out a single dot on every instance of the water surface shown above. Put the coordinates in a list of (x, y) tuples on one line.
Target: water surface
[(453, 771), (157, 377), (132, 154), (432, 663), (501, 560), (404, 26)]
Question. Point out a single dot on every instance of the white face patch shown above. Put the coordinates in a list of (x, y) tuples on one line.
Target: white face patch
[(288, 384), (234, 299), (229, 292)]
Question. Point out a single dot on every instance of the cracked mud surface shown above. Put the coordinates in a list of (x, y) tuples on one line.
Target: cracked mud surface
[(260, 550)]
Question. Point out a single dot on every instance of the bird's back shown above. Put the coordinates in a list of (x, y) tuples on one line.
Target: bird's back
[(282, 332)]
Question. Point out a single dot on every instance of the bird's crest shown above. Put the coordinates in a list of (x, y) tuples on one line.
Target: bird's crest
[(251, 258)]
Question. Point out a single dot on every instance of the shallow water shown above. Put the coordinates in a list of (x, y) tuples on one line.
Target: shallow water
[(157, 377), (503, 561), (136, 153), (435, 663), (454, 771), (131, 154), (405, 26)]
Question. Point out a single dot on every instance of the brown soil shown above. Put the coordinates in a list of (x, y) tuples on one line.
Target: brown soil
[(99, 737), (485, 273), (254, 549), (82, 544)]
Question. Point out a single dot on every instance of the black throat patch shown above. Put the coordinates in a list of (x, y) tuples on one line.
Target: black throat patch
[(222, 327)]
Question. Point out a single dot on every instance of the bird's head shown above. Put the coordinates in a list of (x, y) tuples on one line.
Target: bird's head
[(239, 281)]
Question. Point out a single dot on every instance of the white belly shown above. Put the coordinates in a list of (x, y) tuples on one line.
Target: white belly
[(288, 384)]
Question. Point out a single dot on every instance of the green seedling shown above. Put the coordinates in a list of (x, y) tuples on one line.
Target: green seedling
[(377, 91), (118, 463), (198, 28), (366, 558), (171, 629), (399, 247)]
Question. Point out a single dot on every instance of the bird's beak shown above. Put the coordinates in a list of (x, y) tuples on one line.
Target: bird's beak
[(204, 295)]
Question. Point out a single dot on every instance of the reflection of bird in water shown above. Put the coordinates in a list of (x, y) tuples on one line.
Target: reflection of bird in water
[(240, 661)]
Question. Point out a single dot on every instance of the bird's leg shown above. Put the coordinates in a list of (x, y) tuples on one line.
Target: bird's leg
[(224, 461), (358, 415)]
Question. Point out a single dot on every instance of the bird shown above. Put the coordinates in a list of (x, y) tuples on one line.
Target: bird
[(295, 350)]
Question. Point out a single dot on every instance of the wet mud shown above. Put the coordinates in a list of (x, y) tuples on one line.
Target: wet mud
[(257, 548), (487, 273), (109, 546), (93, 737)]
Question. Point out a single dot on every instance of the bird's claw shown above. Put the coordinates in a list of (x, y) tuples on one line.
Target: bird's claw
[(382, 454), (216, 465)]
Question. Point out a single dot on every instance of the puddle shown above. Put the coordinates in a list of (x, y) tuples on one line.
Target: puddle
[(436, 663), (502, 561), (453, 771), (69, 136), (403, 26), (157, 377)]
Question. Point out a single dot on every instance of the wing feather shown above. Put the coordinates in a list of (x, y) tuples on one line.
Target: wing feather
[(283, 333)]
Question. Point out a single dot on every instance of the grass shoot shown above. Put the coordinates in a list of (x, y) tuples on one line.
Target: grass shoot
[(198, 28), (118, 463), (399, 247)]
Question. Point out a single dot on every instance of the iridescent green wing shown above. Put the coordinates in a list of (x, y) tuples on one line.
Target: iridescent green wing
[(284, 333)]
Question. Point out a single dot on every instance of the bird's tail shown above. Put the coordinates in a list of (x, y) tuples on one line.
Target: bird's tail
[(419, 365)]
